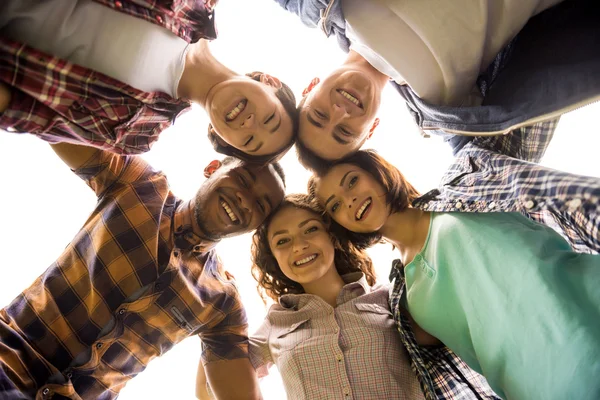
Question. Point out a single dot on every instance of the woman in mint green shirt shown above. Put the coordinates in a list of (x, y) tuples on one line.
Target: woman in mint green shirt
[(506, 294)]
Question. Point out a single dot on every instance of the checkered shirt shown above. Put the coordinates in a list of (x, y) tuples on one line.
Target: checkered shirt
[(134, 282), (442, 374), (62, 102), (500, 174), (349, 352)]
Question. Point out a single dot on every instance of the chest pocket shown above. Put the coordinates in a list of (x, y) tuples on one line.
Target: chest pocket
[(289, 337)]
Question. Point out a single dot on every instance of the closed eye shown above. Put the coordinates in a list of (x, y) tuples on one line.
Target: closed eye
[(262, 207), (345, 131), (243, 181), (320, 114), (249, 141), (270, 118)]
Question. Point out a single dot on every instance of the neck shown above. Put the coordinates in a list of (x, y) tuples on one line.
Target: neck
[(328, 287), (407, 230), (201, 73), (357, 61)]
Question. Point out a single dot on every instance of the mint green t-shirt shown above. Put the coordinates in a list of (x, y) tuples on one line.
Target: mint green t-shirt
[(512, 299)]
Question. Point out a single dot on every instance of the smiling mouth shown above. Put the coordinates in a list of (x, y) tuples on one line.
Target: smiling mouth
[(351, 98), (228, 210), (305, 260), (363, 209), (236, 111)]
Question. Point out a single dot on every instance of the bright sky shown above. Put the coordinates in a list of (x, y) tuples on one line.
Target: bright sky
[(45, 204)]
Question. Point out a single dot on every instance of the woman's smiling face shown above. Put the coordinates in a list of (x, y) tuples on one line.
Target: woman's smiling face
[(353, 198), (300, 242), (247, 115)]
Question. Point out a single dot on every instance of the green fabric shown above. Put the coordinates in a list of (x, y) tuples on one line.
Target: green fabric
[(512, 299)]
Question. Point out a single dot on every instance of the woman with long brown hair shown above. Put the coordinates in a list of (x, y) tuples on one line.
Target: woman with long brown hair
[(506, 294), (331, 333)]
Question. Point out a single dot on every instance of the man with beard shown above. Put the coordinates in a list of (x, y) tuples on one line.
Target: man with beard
[(140, 276)]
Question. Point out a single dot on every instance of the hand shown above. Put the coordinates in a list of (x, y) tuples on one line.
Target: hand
[(5, 96)]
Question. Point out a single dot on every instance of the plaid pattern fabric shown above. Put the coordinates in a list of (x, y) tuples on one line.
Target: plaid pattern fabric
[(442, 374), (134, 282), (350, 352), (488, 176), (62, 102)]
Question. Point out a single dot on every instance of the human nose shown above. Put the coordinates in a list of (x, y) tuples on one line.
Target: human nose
[(249, 122), (300, 245), (245, 200), (337, 113), (350, 200)]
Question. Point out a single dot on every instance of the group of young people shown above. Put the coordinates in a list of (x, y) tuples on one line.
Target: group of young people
[(487, 300)]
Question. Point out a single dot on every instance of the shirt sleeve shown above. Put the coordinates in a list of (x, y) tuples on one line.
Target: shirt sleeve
[(228, 340), (260, 353), (528, 143), (106, 171)]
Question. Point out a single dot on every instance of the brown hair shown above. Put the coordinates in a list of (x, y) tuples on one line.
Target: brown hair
[(265, 269), (399, 192), (288, 100)]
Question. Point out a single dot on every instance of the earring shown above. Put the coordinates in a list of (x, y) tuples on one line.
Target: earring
[(310, 86), (211, 168)]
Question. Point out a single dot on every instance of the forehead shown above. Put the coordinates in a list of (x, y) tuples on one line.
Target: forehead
[(267, 175), (332, 179), (289, 217)]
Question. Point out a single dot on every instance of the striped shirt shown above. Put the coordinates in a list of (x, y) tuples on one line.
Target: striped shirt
[(352, 351), (134, 282), (59, 101)]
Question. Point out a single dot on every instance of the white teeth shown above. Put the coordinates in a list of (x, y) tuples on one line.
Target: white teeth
[(230, 213), (361, 210), (305, 260), (231, 115), (350, 97)]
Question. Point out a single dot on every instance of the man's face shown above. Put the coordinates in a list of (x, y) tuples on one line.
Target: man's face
[(338, 113), (237, 198)]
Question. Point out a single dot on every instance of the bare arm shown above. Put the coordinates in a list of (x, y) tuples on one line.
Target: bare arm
[(74, 155), (229, 379)]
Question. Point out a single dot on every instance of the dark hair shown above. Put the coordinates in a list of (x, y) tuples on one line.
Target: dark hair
[(310, 160), (399, 192), (288, 100), (265, 269)]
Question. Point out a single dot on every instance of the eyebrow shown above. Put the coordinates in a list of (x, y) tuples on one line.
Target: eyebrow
[(341, 184), (300, 225), (276, 126)]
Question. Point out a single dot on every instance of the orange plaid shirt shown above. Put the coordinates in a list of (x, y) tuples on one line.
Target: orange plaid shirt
[(134, 282)]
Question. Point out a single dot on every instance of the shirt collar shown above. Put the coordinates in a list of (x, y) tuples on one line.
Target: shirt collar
[(186, 230), (355, 285)]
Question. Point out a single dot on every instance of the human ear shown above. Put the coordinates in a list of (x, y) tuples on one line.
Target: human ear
[(372, 130), (310, 86), (211, 168), (270, 81)]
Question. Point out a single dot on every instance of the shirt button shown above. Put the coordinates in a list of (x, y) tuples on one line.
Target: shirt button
[(157, 286), (176, 253), (197, 247), (69, 375), (118, 4), (492, 205), (46, 391), (159, 19), (458, 205), (11, 129), (529, 204), (121, 311), (98, 345)]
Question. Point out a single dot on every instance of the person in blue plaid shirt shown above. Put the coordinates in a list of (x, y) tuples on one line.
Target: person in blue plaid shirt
[(469, 247)]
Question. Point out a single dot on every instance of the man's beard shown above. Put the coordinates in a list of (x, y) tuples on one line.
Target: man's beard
[(200, 216)]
